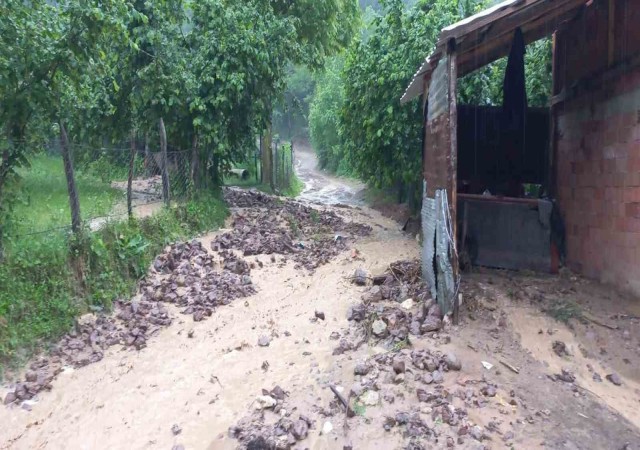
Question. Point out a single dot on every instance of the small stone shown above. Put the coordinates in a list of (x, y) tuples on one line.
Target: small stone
[(408, 303), (596, 377), (265, 402), (437, 376), (246, 280), (489, 391), (176, 429), (31, 376), (379, 328), (320, 315), (10, 398), (361, 369), (398, 366), (452, 361), (300, 429), (402, 418), (357, 389), (327, 428), (360, 277), (278, 393), (427, 378), (374, 294), (399, 379), (370, 398), (190, 334), (615, 379), (334, 336), (476, 433), (264, 341)]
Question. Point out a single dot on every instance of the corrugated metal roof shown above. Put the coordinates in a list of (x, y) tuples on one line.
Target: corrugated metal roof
[(486, 36)]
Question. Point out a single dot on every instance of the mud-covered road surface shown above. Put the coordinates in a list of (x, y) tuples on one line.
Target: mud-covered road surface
[(322, 187), (252, 337)]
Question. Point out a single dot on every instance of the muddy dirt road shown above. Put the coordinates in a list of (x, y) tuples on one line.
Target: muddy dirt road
[(238, 339), (322, 187)]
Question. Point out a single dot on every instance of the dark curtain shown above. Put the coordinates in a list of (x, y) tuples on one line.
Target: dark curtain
[(514, 116)]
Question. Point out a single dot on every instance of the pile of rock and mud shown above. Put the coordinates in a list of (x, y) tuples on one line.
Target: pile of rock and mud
[(188, 276), (284, 429)]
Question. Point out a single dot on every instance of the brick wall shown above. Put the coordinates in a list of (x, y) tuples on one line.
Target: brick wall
[(598, 180)]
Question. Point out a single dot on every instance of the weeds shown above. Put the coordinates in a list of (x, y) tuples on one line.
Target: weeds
[(564, 311), (47, 281)]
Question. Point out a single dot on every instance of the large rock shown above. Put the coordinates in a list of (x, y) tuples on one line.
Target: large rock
[(300, 429), (431, 323), (360, 277), (379, 328), (362, 369), (452, 361), (374, 294)]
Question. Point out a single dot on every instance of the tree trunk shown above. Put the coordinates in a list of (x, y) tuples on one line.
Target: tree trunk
[(194, 161), (267, 158), (165, 170), (147, 156), (132, 159), (74, 202)]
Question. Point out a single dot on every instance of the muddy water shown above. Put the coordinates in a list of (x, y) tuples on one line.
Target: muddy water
[(321, 187)]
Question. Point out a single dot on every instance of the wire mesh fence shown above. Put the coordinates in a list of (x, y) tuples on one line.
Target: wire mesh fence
[(112, 183)]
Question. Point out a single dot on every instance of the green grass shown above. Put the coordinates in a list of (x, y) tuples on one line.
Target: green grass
[(40, 296), (44, 201)]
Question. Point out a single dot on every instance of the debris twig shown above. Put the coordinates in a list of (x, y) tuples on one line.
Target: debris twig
[(598, 322), (344, 402), (510, 366)]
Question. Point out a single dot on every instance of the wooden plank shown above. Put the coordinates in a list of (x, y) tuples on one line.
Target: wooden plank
[(611, 29), (453, 165), (488, 52)]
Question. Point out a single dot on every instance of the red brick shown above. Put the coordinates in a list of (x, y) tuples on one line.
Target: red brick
[(632, 210)]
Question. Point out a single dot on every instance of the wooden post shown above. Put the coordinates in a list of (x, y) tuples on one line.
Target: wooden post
[(74, 202), (165, 172), (453, 167), (194, 160), (132, 159), (267, 158)]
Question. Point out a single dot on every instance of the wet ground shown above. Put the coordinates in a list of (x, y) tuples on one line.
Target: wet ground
[(322, 187), (538, 361)]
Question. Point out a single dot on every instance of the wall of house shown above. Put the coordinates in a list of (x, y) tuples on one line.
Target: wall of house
[(597, 144)]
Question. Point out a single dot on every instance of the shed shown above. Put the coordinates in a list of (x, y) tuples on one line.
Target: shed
[(584, 149)]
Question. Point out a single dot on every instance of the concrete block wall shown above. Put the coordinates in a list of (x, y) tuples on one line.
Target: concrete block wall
[(598, 181)]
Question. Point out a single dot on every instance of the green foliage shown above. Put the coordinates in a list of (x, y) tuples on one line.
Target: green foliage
[(324, 113), (40, 294), (380, 137)]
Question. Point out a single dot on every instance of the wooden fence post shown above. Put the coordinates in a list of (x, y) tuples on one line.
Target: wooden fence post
[(132, 159), (165, 172), (74, 202)]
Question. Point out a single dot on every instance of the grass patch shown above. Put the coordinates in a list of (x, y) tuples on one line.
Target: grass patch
[(41, 296), (564, 310), (43, 201)]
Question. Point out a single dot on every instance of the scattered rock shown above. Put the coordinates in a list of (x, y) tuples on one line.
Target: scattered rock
[(452, 361), (370, 398), (437, 376), (176, 429), (362, 369), (398, 366), (614, 378), (408, 304), (489, 391), (430, 324), (320, 315), (327, 428), (264, 341), (300, 429), (560, 348), (360, 277), (265, 402), (379, 328), (10, 398)]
